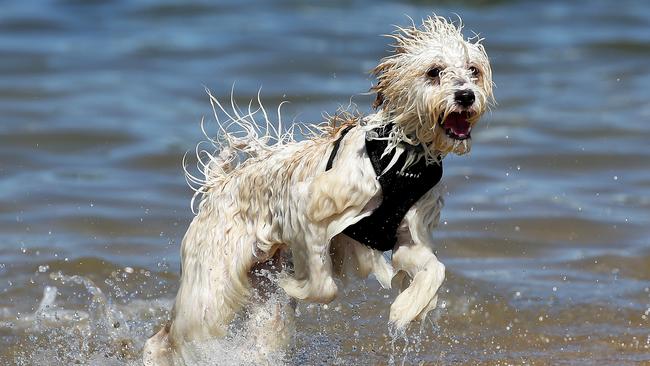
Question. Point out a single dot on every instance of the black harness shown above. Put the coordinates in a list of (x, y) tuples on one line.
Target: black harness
[(400, 190)]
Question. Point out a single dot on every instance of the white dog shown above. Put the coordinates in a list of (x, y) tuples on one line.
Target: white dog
[(335, 202)]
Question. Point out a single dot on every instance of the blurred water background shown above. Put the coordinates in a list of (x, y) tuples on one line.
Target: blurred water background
[(545, 232)]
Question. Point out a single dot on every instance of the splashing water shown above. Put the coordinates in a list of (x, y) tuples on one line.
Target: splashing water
[(103, 331), (99, 333)]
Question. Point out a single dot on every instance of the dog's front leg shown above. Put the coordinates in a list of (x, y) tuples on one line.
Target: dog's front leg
[(413, 256), (313, 275), (427, 273)]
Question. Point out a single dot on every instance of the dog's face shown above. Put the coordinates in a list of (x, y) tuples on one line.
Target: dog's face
[(436, 86)]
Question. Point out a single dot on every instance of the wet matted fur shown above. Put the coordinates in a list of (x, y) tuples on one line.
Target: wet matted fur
[(262, 193)]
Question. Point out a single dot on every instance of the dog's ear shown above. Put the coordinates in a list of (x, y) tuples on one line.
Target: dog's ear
[(379, 100), (378, 72)]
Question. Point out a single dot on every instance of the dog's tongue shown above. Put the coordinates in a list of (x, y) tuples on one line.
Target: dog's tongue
[(458, 124)]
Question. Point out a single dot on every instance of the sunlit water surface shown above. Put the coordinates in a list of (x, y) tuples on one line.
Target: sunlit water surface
[(545, 231)]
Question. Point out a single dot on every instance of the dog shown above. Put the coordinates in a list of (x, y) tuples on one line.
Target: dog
[(332, 203)]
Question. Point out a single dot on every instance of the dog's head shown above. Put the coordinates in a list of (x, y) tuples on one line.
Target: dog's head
[(435, 86)]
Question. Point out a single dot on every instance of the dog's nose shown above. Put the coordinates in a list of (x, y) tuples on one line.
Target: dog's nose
[(464, 97)]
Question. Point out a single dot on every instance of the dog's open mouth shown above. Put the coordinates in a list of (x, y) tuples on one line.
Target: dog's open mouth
[(456, 125)]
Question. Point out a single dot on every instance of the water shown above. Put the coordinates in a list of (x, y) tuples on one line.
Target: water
[(545, 231)]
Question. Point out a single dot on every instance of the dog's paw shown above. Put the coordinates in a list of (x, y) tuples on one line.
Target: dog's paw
[(431, 306), (405, 309), (322, 291), (293, 287), (400, 317), (157, 350), (402, 312), (419, 297)]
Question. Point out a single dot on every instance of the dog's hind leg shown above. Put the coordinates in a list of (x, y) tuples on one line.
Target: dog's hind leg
[(313, 275), (271, 326), (217, 256), (157, 350), (271, 313)]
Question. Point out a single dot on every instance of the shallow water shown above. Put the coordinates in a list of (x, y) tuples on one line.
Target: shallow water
[(545, 230)]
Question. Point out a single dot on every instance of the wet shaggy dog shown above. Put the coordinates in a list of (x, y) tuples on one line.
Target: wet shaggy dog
[(335, 202)]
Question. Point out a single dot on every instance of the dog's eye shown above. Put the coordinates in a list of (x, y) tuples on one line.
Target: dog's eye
[(433, 73), (474, 71)]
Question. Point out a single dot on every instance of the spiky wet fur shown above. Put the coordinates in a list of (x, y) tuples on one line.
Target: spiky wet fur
[(261, 192)]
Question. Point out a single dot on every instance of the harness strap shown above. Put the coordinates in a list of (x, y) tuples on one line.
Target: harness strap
[(337, 144)]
